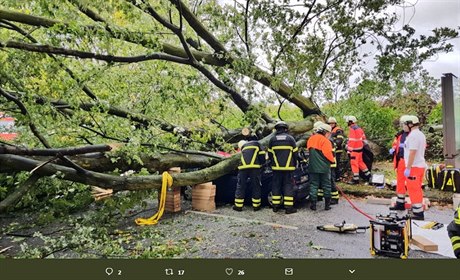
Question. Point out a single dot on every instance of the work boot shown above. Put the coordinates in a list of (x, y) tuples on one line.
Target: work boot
[(334, 201), (236, 208), (327, 203), (256, 208), (291, 210), (353, 182), (276, 208), (313, 205), (418, 216), (398, 207)]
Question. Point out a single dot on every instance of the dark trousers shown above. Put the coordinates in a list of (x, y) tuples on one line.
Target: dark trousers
[(340, 168), (453, 230), (253, 175), (282, 185)]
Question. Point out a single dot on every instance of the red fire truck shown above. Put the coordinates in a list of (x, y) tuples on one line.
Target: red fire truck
[(7, 129)]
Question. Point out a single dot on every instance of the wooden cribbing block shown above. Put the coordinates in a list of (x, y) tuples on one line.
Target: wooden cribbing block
[(173, 198), (424, 244), (203, 197)]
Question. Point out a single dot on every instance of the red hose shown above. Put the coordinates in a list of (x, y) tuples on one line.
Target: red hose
[(354, 206)]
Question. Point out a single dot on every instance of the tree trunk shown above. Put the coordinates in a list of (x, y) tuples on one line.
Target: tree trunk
[(119, 183)]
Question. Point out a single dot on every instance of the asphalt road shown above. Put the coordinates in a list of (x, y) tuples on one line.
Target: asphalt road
[(225, 233)]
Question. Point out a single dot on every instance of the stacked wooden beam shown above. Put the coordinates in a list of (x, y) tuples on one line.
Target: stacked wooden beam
[(100, 193), (173, 198), (203, 197)]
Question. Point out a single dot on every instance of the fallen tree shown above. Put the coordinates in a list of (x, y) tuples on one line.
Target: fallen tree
[(174, 82)]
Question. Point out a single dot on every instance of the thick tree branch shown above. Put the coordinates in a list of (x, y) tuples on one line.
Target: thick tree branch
[(47, 49), (54, 152), (199, 27), (119, 183), (11, 200)]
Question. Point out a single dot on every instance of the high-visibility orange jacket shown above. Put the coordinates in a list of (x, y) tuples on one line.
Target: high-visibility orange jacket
[(356, 138), (320, 153)]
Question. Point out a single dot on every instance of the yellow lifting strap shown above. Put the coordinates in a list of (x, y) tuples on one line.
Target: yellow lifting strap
[(166, 182)]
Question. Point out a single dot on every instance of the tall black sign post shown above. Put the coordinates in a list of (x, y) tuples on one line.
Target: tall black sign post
[(451, 119)]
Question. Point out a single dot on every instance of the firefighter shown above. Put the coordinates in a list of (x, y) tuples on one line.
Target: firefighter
[(355, 146), (397, 151), (252, 160), (453, 229), (334, 191), (320, 159), (283, 156), (338, 137), (414, 157)]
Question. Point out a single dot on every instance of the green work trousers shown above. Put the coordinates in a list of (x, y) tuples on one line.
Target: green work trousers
[(317, 180)]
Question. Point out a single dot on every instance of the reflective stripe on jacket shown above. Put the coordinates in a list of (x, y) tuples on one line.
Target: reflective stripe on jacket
[(398, 154), (356, 138), (338, 137), (283, 152), (252, 155)]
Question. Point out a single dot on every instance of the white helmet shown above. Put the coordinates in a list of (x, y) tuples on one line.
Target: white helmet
[(326, 127), (403, 118), (350, 119), (241, 143), (331, 120), (412, 119), (317, 124)]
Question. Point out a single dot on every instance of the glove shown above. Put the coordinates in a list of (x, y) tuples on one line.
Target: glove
[(391, 151), (407, 172), (402, 145)]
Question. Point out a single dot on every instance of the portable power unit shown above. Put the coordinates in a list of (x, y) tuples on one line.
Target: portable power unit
[(390, 235)]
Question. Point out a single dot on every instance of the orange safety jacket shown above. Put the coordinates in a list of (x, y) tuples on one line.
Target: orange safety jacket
[(356, 139), (320, 151)]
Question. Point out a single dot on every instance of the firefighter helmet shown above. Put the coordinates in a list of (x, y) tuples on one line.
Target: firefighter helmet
[(317, 124), (326, 127), (279, 125), (403, 118), (331, 120), (412, 119), (350, 119)]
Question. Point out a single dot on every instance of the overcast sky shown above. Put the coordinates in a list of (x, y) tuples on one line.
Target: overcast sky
[(428, 14), (424, 16)]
